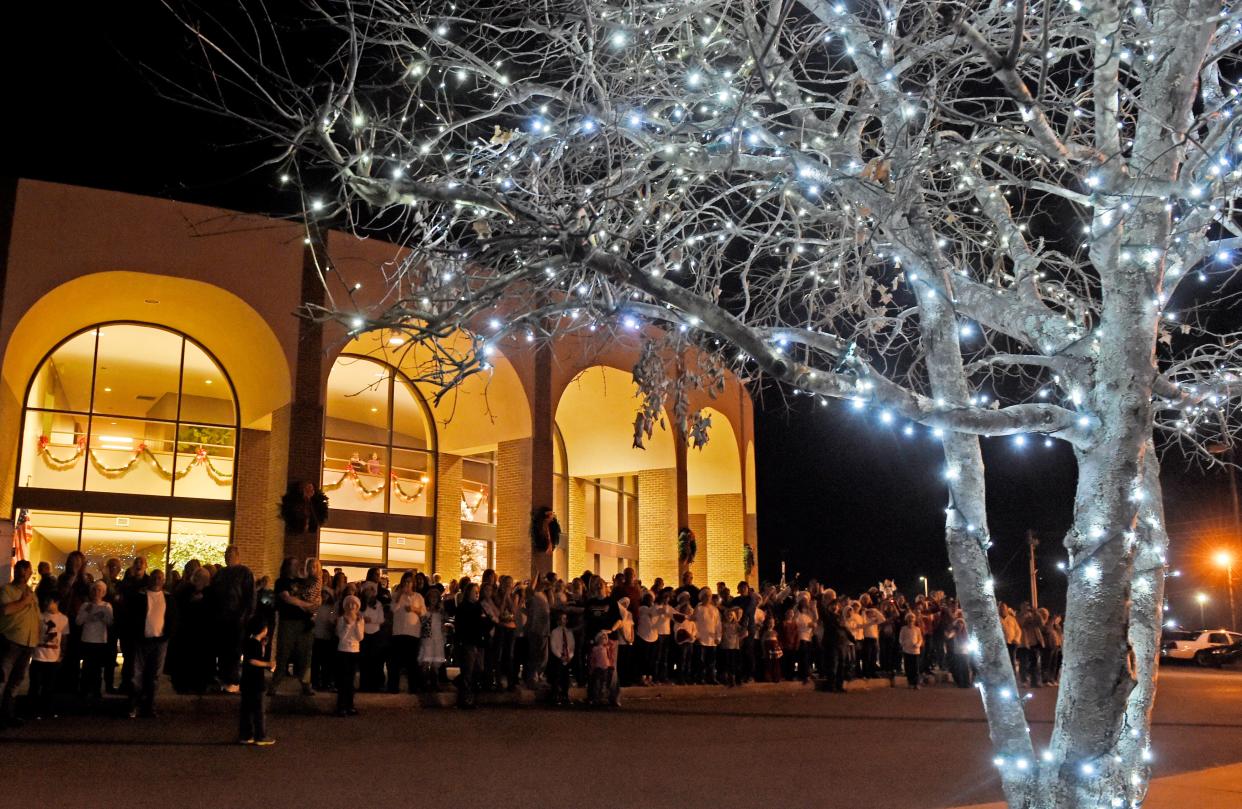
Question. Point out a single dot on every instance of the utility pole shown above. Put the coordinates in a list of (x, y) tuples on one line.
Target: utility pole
[(1031, 544), (1233, 608)]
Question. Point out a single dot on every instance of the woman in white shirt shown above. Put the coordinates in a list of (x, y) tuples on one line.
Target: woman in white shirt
[(707, 625), (646, 638), (408, 608), (911, 647), (872, 618)]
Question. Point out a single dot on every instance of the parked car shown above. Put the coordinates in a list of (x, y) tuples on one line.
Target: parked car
[(1218, 656), (1181, 644)]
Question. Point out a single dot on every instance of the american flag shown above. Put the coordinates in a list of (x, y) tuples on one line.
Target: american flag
[(21, 535)]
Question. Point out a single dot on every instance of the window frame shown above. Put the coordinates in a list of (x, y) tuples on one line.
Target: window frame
[(386, 522), (627, 529), (83, 501)]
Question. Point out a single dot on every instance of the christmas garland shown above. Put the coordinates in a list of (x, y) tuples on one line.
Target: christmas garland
[(368, 492), (472, 509), (141, 453)]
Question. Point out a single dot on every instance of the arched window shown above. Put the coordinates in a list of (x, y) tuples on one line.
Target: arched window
[(116, 418), (378, 467)]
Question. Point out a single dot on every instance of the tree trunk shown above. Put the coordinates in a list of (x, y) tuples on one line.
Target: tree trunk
[(966, 535), (1146, 620), (1084, 766)]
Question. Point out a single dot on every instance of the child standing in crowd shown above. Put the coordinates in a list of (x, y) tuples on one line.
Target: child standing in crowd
[(911, 648), (771, 651), (94, 620), (560, 658), (431, 648), (603, 682), (730, 644), (45, 664), (256, 662), (686, 634), (350, 631)]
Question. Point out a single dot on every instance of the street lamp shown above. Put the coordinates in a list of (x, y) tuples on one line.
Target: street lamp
[(924, 580), (1202, 599), (1224, 559)]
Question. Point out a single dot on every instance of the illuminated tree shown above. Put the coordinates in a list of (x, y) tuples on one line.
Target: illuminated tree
[(988, 219)]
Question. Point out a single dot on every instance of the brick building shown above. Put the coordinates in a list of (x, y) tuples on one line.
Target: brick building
[(159, 396)]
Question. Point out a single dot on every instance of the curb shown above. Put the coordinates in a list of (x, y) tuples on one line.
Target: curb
[(325, 702)]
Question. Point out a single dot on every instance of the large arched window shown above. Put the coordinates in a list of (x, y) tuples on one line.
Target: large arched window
[(379, 464), (128, 447)]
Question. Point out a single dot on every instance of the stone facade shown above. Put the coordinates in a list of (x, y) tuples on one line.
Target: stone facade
[(235, 295)]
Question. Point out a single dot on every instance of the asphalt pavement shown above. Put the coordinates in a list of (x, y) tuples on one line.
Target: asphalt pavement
[(888, 747)]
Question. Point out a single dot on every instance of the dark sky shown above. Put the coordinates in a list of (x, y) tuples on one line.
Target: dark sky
[(841, 496)]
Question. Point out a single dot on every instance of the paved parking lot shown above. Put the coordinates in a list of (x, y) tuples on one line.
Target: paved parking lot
[(887, 747)]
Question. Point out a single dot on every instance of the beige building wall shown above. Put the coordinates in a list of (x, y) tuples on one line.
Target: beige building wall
[(657, 525), (448, 516), (725, 531), (258, 530), (576, 537), (80, 256), (698, 524), (513, 505)]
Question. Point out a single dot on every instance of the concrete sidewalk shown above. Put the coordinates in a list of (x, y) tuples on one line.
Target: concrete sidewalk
[(289, 701), (1214, 788)]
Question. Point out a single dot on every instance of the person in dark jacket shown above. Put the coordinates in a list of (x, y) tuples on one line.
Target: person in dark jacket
[(836, 647), (73, 589), (154, 620), (472, 630), (746, 601), (232, 599), (191, 661), (128, 591)]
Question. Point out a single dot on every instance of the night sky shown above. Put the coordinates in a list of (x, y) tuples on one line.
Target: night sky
[(841, 497)]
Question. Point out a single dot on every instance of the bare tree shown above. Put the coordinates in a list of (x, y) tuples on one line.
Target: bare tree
[(977, 217)]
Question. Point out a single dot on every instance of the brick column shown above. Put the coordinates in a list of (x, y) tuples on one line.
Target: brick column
[(683, 487), (576, 549), (657, 525), (446, 558), (261, 470), (513, 506), (542, 490), (724, 540), (306, 411)]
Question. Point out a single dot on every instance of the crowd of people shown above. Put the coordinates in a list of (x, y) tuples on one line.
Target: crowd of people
[(215, 627)]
